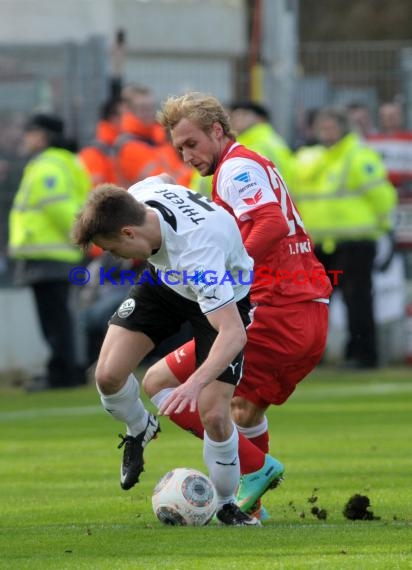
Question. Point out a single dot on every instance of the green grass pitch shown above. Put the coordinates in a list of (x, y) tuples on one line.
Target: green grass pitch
[(61, 505)]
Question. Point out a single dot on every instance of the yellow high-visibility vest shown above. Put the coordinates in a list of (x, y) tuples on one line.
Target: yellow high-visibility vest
[(262, 138), (342, 192), (53, 188)]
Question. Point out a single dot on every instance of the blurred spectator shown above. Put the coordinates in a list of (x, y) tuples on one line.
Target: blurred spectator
[(135, 147), (346, 202), (306, 159), (390, 118), (251, 122), (53, 188), (360, 119), (143, 148), (140, 148), (394, 142), (98, 156), (306, 135)]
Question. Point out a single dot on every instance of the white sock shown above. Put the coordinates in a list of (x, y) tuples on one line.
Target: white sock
[(161, 396), (222, 461), (254, 431), (127, 407)]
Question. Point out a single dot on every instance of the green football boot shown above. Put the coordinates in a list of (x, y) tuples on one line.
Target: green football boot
[(253, 485)]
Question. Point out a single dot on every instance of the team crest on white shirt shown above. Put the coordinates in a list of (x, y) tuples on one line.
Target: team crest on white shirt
[(126, 308)]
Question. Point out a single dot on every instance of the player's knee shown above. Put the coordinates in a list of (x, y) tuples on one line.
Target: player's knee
[(157, 378), (215, 423), (151, 382), (107, 381), (245, 414), (241, 412), (242, 417)]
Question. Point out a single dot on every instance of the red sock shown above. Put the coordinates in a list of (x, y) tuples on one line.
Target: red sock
[(251, 458), (189, 421), (261, 441)]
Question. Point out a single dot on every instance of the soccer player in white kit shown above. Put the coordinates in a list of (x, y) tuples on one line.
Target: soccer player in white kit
[(185, 239)]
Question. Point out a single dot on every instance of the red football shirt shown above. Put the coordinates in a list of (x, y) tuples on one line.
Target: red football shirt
[(288, 270)]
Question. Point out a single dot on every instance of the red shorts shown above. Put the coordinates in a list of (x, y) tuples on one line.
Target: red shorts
[(284, 345)]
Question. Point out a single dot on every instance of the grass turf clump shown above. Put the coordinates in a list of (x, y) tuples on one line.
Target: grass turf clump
[(357, 508)]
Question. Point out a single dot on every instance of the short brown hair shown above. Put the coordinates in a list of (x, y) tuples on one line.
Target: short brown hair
[(108, 209), (202, 110)]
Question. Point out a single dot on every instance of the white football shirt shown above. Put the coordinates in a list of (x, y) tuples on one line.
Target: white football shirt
[(202, 256)]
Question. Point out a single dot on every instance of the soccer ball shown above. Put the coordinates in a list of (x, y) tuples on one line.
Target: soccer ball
[(184, 497)]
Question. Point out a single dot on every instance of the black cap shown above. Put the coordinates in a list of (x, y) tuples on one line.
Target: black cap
[(259, 110), (50, 123)]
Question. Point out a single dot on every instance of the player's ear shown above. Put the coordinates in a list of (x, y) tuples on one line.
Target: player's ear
[(217, 130), (127, 231)]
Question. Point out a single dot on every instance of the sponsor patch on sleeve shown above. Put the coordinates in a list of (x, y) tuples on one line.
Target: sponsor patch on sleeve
[(244, 182)]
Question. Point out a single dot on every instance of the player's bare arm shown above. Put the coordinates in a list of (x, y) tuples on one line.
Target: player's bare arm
[(229, 342)]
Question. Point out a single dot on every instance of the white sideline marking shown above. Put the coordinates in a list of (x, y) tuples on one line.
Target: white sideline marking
[(50, 412), (314, 393)]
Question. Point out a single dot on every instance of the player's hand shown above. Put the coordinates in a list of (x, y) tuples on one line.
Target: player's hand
[(186, 394)]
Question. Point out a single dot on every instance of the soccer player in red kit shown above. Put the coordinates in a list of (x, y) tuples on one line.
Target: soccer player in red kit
[(290, 291)]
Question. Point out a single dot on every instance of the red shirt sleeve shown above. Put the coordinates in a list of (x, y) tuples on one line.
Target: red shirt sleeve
[(263, 231)]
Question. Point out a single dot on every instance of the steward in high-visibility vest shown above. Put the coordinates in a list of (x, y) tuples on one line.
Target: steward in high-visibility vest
[(53, 188), (346, 202), (342, 192), (305, 166), (251, 122)]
